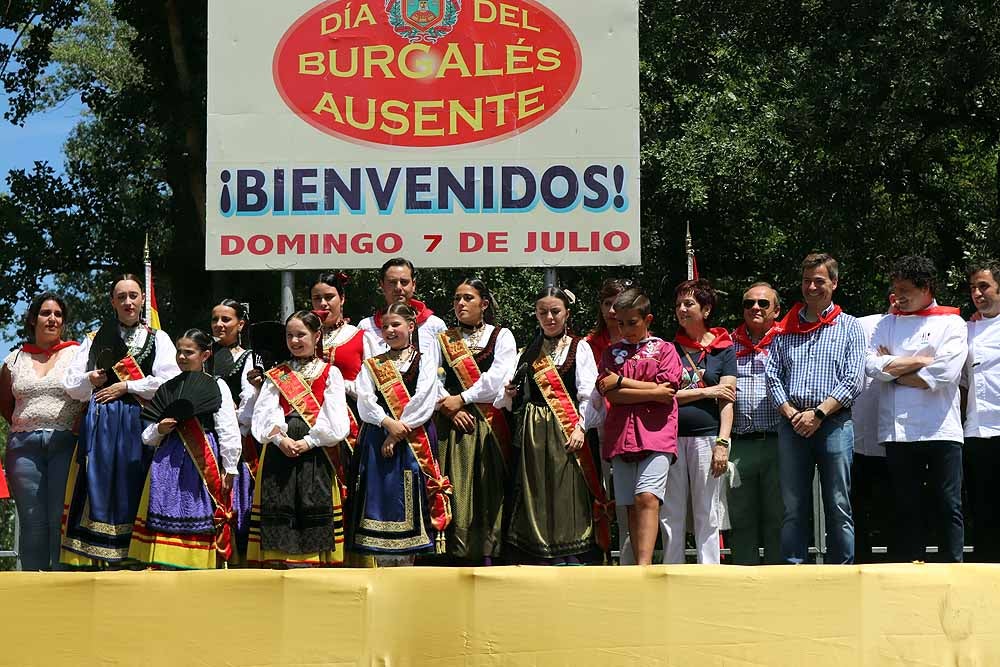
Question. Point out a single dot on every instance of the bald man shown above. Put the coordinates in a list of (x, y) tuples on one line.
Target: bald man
[(755, 507)]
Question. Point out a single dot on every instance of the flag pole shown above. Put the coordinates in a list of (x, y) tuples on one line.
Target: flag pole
[(689, 249), (149, 279)]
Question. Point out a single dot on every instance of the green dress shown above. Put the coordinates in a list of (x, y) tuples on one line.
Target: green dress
[(477, 466), (552, 510)]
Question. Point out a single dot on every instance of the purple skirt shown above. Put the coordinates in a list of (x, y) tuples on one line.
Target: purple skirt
[(242, 499), (178, 500)]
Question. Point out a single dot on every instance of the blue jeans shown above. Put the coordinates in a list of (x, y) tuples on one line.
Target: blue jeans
[(830, 449), (37, 465)]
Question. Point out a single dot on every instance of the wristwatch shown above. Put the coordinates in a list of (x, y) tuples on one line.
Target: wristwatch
[(725, 442), (820, 415)]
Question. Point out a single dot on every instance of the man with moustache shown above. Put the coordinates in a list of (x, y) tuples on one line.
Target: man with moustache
[(814, 372), (981, 397), (755, 508), (398, 281), (917, 354)]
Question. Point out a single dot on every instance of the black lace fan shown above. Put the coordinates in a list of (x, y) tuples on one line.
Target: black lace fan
[(190, 393)]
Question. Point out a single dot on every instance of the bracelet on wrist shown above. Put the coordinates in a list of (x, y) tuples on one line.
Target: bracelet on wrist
[(723, 442)]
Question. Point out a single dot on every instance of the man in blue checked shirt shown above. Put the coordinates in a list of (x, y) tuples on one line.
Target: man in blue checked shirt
[(814, 372)]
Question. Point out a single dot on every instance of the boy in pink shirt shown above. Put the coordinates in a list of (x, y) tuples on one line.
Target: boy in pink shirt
[(639, 376)]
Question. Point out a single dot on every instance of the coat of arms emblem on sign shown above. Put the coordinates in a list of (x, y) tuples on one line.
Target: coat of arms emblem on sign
[(423, 20)]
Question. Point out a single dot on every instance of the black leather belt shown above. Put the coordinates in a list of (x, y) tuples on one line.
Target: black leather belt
[(756, 435)]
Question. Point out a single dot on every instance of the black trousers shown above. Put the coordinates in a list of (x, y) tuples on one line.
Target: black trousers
[(981, 461), (938, 464), (871, 500)]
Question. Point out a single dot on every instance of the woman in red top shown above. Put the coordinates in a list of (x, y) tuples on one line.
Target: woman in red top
[(606, 331), (343, 346), (604, 334)]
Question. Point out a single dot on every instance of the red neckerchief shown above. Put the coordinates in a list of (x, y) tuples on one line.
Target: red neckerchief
[(742, 337), (31, 348), (928, 311), (721, 341), (423, 313), (793, 324)]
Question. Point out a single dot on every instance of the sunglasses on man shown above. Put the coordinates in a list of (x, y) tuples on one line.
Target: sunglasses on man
[(763, 304)]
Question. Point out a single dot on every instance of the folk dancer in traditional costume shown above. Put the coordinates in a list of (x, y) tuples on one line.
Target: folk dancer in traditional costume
[(185, 513), (301, 416), (398, 282), (559, 499), (234, 365), (401, 501), (474, 437), (344, 346), (117, 368)]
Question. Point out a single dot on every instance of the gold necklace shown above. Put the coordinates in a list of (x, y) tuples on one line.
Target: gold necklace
[(553, 348), (401, 357), (307, 369), (475, 336)]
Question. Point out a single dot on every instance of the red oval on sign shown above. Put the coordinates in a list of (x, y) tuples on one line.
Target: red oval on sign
[(427, 73)]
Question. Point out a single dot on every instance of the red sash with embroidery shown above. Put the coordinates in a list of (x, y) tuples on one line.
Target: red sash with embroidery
[(251, 454), (559, 400), (300, 397), (197, 446), (460, 359), (128, 369), (390, 384)]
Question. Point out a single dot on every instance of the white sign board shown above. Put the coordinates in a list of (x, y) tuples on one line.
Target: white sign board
[(457, 133)]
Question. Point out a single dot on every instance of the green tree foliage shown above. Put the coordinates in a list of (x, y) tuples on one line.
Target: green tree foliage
[(866, 129)]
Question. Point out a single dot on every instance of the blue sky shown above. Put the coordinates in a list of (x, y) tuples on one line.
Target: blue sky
[(40, 139)]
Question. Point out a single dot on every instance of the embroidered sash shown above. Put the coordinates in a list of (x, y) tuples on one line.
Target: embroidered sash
[(198, 448), (299, 395), (390, 384), (460, 359), (559, 400), (128, 369)]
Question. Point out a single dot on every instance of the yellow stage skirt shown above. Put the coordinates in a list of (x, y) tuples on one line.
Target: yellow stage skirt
[(509, 616)]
